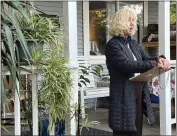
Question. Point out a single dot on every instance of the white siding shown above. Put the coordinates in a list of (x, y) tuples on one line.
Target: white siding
[(56, 8), (153, 12)]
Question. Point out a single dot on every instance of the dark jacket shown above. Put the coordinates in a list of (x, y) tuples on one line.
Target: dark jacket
[(121, 67)]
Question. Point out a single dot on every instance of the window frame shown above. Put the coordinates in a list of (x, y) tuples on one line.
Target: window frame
[(95, 59), (86, 35)]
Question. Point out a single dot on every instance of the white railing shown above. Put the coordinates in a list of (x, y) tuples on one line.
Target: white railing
[(17, 112)]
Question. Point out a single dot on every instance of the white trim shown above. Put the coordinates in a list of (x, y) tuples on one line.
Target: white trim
[(145, 16), (164, 48), (173, 121), (34, 105), (17, 114), (86, 33), (97, 59)]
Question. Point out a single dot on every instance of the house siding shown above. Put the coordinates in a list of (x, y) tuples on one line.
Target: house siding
[(153, 12), (80, 28), (56, 8)]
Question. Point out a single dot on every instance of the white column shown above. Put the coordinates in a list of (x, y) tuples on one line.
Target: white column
[(86, 32), (17, 114), (70, 52), (164, 48), (35, 105)]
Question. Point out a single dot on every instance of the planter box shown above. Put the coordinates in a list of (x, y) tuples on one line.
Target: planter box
[(30, 45), (59, 128)]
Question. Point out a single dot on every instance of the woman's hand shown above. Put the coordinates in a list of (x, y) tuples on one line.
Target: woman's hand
[(164, 64)]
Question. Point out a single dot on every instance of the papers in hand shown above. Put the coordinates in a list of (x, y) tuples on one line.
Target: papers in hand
[(147, 76)]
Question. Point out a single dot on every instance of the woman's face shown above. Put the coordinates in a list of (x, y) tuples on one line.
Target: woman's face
[(131, 27), (131, 24)]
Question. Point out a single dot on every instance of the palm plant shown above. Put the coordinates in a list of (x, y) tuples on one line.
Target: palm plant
[(10, 33)]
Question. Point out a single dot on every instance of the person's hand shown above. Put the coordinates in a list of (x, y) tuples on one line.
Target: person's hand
[(164, 64)]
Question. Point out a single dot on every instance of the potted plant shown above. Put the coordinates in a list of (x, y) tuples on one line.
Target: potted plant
[(42, 30), (56, 86)]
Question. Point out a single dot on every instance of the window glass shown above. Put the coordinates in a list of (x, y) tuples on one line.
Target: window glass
[(97, 26)]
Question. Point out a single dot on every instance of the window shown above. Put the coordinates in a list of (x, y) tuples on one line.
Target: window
[(97, 27), (99, 14)]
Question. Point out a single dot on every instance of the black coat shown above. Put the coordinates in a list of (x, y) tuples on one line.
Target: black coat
[(121, 67)]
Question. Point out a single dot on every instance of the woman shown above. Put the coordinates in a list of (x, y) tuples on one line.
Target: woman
[(124, 58)]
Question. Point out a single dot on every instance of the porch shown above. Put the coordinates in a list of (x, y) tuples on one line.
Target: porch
[(94, 115), (75, 16)]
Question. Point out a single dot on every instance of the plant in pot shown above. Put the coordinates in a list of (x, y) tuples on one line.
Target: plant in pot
[(55, 84), (42, 30), (83, 82)]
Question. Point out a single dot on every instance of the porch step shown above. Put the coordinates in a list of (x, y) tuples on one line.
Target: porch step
[(95, 132)]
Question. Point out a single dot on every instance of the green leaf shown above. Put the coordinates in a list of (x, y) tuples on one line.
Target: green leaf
[(18, 75), (20, 35), (16, 5), (84, 67), (99, 68), (87, 80), (10, 42), (79, 84), (84, 71), (1, 126), (81, 77), (95, 73), (83, 82)]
